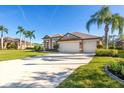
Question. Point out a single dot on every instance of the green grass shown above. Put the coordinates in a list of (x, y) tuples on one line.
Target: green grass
[(16, 54), (92, 75), (121, 53)]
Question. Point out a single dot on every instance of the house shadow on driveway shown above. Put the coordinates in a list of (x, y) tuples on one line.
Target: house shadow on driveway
[(30, 64), (40, 80), (60, 57)]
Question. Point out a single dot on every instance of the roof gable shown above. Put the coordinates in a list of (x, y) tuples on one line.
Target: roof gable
[(77, 36), (46, 36), (69, 36)]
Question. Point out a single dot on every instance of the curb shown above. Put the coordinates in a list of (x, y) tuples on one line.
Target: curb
[(112, 75)]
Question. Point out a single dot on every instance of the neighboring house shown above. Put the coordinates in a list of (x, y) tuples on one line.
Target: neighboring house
[(50, 40), (120, 44), (8, 40), (74, 42)]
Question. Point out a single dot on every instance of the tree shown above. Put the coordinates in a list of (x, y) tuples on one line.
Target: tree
[(104, 16), (30, 35), (21, 31), (2, 30), (25, 36), (112, 40)]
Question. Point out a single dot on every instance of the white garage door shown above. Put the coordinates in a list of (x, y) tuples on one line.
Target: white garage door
[(67, 46), (89, 45)]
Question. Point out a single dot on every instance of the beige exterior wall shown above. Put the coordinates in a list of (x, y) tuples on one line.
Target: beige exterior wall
[(69, 46), (49, 43), (79, 46)]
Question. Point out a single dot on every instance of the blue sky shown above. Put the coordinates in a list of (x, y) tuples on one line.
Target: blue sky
[(51, 19)]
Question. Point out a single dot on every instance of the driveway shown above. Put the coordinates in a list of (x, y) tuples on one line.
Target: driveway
[(40, 72)]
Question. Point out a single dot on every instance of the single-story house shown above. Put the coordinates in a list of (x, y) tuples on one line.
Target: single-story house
[(9, 40), (72, 42)]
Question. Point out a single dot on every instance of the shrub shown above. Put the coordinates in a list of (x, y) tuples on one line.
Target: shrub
[(111, 47), (122, 70), (115, 66), (120, 51), (11, 46), (37, 48), (30, 48), (56, 47), (119, 47), (106, 52), (114, 53), (99, 46)]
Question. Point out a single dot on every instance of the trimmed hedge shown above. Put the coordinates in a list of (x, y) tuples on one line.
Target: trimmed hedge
[(107, 52), (120, 51)]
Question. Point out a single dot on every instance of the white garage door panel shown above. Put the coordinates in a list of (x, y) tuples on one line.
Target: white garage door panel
[(69, 47), (89, 45)]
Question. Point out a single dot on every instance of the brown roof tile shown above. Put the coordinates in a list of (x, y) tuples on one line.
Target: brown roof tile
[(53, 36), (56, 35), (77, 36), (84, 35)]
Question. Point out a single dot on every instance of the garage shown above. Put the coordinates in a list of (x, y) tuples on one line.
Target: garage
[(78, 43), (89, 45), (69, 46)]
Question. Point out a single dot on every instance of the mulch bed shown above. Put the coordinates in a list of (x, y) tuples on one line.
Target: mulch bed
[(119, 75)]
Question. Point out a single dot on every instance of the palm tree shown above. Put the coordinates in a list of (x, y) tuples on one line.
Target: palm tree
[(30, 35), (104, 16), (2, 30), (21, 31), (25, 36)]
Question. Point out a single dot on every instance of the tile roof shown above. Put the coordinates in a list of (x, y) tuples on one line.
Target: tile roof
[(53, 36), (77, 36), (84, 35), (10, 39), (56, 35)]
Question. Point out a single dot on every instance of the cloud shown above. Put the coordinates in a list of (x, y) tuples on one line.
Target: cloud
[(23, 13), (53, 14)]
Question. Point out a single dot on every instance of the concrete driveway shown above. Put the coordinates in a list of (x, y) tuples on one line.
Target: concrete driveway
[(40, 72)]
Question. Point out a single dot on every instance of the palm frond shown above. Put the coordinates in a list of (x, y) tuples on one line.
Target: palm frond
[(117, 23), (99, 23), (30, 34), (17, 32), (3, 29), (89, 23), (33, 36), (6, 30), (102, 16)]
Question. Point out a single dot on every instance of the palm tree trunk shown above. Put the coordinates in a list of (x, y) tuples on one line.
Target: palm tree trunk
[(1, 40), (30, 43), (25, 42), (20, 41), (106, 36)]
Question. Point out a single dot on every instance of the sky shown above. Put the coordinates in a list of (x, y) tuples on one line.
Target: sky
[(51, 19)]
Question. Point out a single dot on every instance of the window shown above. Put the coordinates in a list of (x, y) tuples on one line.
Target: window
[(54, 39)]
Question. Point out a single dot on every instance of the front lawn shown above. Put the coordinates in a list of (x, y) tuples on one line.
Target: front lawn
[(15, 54), (92, 75)]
